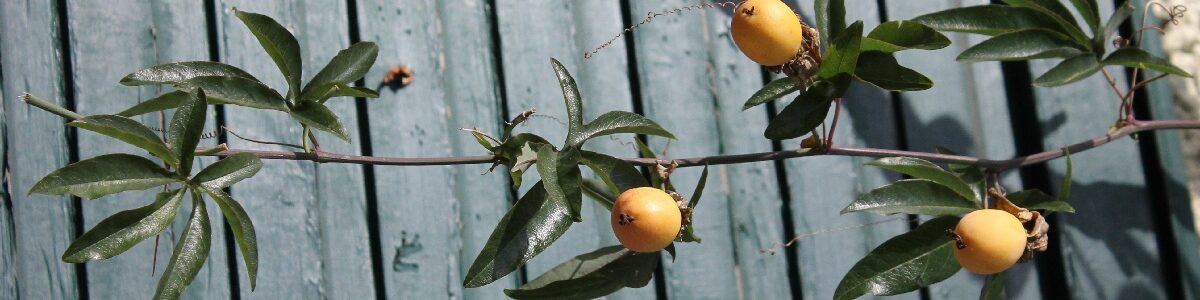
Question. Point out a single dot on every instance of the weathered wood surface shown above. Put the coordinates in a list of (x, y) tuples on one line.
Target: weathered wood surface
[(476, 61)]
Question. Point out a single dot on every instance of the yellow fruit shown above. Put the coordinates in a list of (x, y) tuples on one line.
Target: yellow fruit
[(767, 31), (645, 219), (992, 240)]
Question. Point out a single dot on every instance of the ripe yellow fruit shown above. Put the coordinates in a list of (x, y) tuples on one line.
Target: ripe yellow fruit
[(767, 31), (992, 240), (645, 219)]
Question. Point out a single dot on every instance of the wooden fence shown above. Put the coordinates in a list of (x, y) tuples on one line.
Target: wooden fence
[(346, 231)]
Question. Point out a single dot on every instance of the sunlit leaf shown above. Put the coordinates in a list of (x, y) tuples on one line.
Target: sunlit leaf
[(773, 90), (912, 196), (242, 228), (128, 131), (904, 263), (279, 43), (572, 99), (191, 250), (530, 226), (841, 56), (236, 91), (922, 169), (316, 115), (172, 73), (102, 175), (347, 66), (162, 102), (123, 230), (883, 71), (561, 176), (617, 175), (228, 170), (908, 35), (591, 275), (187, 126), (615, 122)]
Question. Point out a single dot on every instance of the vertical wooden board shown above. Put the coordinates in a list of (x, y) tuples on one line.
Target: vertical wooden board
[(43, 224), (755, 202), (676, 91), (1108, 245), (1170, 154), (473, 101), (108, 41), (285, 198), (965, 111), (8, 272), (417, 206), (821, 186)]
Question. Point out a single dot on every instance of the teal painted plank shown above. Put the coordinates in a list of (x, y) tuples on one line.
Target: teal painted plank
[(426, 212), (1108, 245), (821, 186), (1172, 164), (310, 218), (677, 91), (965, 111), (8, 274), (43, 224), (109, 40), (472, 96)]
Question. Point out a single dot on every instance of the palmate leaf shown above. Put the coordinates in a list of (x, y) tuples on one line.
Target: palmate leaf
[(561, 177), (883, 71), (128, 131), (987, 19), (123, 230), (912, 196), (591, 275), (530, 226), (773, 90), (191, 250), (103, 175), (904, 263), (347, 66), (1138, 58), (317, 115), (187, 125), (227, 171), (615, 122), (162, 102), (1022, 45), (1069, 70), (922, 169), (236, 91), (573, 101), (242, 228), (279, 44), (173, 73)]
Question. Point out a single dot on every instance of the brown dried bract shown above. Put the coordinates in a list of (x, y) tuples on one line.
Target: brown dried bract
[(1035, 224), (804, 66), (398, 76)]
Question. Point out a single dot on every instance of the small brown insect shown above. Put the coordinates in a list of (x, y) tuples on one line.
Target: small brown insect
[(398, 76)]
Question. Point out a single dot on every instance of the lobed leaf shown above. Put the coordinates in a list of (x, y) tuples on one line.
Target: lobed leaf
[(191, 250), (279, 44), (912, 196), (591, 275), (530, 226), (561, 177), (123, 230), (773, 90), (922, 169), (1138, 58), (102, 175), (128, 131), (242, 228), (228, 170), (1069, 70), (883, 71), (236, 91), (173, 73), (162, 102), (347, 66), (1022, 45), (615, 122), (316, 115), (902, 264), (187, 125)]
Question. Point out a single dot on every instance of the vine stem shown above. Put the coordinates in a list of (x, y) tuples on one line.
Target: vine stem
[(991, 165)]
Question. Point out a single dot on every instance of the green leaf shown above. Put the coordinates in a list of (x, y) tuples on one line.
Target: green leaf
[(347, 66), (1069, 70), (599, 191), (518, 155), (968, 173), (1119, 16), (689, 233), (1138, 58), (191, 250), (591, 275), (162, 102), (912, 196), (1057, 12), (805, 113), (993, 287), (242, 228), (227, 171), (922, 169), (279, 44), (988, 19), (561, 177), (1064, 188), (773, 90), (646, 152), (342, 90), (1037, 200), (573, 100), (904, 263), (831, 18), (236, 91), (187, 125), (908, 35), (841, 57), (617, 175), (1091, 14), (123, 230), (615, 122), (173, 73), (128, 131), (102, 175), (883, 71), (1022, 45), (316, 115), (531, 225)]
